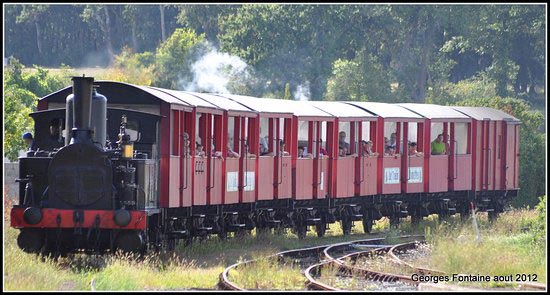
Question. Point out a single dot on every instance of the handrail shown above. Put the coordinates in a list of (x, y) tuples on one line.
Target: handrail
[(212, 169), (409, 168), (488, 167), (362, 169), (281, 169), (456, 160)]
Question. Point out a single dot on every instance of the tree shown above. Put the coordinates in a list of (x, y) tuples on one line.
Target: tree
[(34, 14), (205, 18), (99, 15), (174, 57)]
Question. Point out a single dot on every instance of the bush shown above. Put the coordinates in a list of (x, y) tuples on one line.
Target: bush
[(21, 92)]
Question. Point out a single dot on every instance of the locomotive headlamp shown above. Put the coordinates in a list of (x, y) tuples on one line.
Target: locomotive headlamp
[(122, 217), (32, 215)]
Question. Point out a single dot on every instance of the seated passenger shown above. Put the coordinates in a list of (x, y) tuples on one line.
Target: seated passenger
[(392, 142), (322, 151), (341, 151), (230, 152), (199, 150), (390, 151), (282, 149), (413, 152), (302, 153), (186, 144), (264, 147), (367, 148), (438, 146), (342, 141)]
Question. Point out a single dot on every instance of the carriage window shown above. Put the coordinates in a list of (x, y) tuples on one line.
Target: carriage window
[(461, 137), (412, 135), (303, 137), (344, 139), (365, 130), (390, 138)]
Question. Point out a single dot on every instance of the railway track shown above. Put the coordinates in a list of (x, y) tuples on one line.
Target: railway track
[(306, 257), (341, 259)]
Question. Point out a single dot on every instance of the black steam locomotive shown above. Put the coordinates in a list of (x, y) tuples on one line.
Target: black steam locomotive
[(82, 195)]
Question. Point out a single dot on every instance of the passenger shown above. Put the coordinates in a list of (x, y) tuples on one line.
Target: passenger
[(282, 148), (341, 151), (27, 138), (264, 147), (322, 151), (438, 146), (390, 151), (367, 148), (186, 144), (413, 152), (302, 153), (342, 140), (230, 152), (393, 141), (199, 150)]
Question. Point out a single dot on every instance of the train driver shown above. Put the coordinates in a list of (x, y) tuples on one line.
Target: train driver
[(27, 138)]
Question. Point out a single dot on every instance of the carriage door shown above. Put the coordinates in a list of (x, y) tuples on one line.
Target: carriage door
[(488, 154), (413, 165), (509, 166)]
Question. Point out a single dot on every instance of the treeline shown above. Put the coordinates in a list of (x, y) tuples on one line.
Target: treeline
[(361, 52)]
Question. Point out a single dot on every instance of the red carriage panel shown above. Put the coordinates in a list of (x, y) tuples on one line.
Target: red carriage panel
[(174, 184), (322, 178), (415, 175), (391, 175), (516, 158), (499, 158), (232, 181), (199, 182), (285, 180), (216, 186), (265, 179), (439, 173), (463, 173), (249, 183), (345, 186), (304, 179), (367, 176)]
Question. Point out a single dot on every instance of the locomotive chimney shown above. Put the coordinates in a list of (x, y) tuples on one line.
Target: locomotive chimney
[(82, 109)]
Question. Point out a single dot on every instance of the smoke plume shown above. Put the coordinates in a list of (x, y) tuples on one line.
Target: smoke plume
[(302, 92)]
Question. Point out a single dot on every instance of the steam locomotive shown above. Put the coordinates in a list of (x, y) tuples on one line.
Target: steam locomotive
[(148, 167)]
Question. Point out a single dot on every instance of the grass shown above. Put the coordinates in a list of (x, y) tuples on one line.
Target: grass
[(268, 274)]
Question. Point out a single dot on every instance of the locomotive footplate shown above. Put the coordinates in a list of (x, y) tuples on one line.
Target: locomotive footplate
[(84, 219)]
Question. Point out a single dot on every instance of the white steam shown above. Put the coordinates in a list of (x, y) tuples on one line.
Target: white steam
[(302, 92), (215, 71)]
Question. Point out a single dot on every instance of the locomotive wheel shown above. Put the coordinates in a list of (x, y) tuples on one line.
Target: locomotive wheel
[(321, 228), (346, 224)]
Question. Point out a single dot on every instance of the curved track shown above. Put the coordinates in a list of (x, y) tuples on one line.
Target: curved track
[(305, 257)]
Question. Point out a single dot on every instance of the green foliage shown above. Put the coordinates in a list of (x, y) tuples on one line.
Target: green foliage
[(21, 92), (361, 79), (532, 145), (135, 68), (174, 57)]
